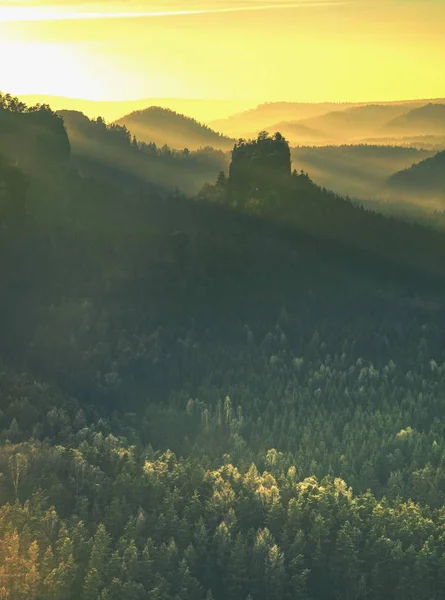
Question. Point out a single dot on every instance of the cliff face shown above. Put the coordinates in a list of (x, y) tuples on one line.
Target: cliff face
[(260, 164), (34, 140)]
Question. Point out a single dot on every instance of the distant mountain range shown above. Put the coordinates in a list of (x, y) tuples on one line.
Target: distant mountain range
[(297, 130), (357, 122), (425, 120), (347, 147), (419, 123), (165, 126), (203, 110), (321, 124), (258, 118)]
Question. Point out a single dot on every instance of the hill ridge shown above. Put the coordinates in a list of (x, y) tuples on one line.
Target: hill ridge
[(166, 126)]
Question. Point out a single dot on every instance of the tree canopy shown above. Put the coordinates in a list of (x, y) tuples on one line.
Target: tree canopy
[(233, 396)]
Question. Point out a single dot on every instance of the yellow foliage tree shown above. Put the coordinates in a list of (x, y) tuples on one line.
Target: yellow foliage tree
[(19, 573)]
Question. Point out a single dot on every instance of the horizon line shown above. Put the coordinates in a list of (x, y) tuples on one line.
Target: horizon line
[(200, 99)]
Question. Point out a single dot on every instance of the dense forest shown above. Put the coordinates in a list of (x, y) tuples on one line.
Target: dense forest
[(237, 395)]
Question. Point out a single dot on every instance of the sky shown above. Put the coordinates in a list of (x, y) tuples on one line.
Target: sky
[(265, 50)]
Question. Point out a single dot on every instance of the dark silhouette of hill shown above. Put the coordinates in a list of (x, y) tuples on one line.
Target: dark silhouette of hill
[(109, 152), (164, 126), (425, 120), (425, 179)]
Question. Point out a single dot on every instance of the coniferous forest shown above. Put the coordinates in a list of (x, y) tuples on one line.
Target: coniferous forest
[(238, 395)]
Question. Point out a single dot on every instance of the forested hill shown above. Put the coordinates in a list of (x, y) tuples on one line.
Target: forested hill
[(225, 397), (293, 200), (425, 179), (108, 152), (358, 170), (164, 126)]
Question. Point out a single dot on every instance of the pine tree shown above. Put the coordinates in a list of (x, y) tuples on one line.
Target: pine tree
[(58, 583), (95, 578)]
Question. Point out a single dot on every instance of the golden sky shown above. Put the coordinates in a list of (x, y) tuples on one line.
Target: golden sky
[(266, 50)]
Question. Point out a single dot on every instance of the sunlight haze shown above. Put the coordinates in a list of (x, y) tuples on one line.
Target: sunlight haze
[(262, 51)]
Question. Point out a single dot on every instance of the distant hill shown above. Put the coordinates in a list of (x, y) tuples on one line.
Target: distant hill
[(355, 123), (424, 180), (323, 123), (425, 120), (110, 110), (432, 143), (294, 131), (107, 152), (164, 126), (259, 118)]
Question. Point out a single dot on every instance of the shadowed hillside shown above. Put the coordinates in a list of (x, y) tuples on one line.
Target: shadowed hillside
[(108, 152), (356, 170), (424, 180), (293, 200), (163, 126)]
